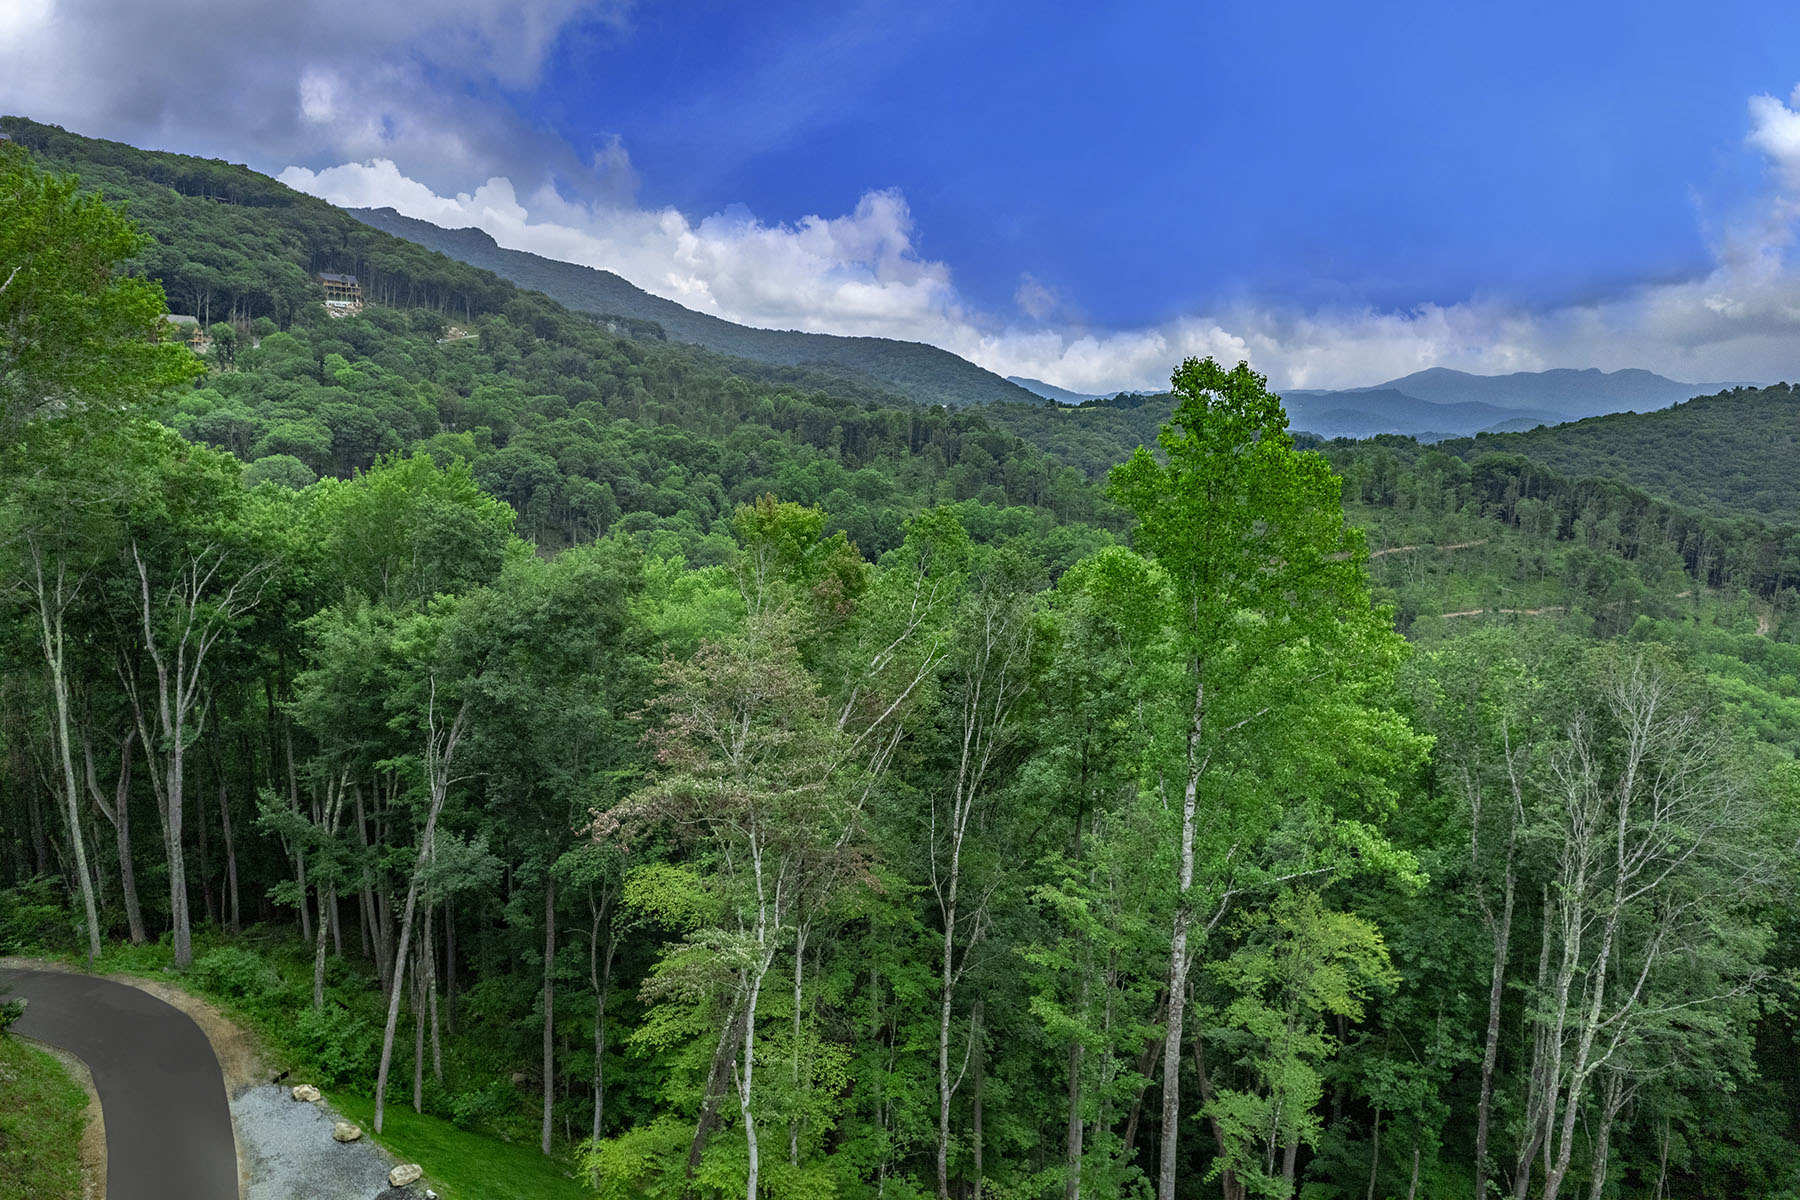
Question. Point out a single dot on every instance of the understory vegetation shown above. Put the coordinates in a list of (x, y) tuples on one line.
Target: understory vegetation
[(721, 782)]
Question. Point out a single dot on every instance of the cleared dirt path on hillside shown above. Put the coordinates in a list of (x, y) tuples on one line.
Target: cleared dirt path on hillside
[(1425, 546)]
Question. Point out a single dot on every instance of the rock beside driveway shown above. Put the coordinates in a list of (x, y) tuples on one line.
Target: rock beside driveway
[(307, 1092), (344, 1131), (404, 1174), (291, 1155)]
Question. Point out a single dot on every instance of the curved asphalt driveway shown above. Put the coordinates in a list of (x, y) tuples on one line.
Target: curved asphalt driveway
[(168, 1125)]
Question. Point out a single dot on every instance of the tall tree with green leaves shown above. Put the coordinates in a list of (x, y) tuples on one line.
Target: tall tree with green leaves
[(1271, 617), (77, 336)]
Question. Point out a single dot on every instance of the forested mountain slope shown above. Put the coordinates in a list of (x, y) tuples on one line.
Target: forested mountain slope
[(576, 426), (1730, 453), (924, 374)]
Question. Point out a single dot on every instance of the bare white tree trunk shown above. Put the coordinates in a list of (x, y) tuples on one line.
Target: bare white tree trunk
[(768, 914), (200, 607), (1179, 959), (51, 598), (440, 751)]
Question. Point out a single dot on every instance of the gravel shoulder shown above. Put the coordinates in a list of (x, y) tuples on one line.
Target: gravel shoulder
[(291, 1155)]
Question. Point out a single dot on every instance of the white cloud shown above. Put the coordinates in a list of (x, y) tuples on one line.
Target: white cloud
[(295, 80), (1034, 298), (861, 274)]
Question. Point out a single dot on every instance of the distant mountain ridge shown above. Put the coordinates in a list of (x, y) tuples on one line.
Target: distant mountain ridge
[(1050, 391), (922, 373), (1439, 402)]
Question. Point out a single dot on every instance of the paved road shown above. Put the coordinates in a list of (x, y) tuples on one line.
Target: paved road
[(168, 1125)]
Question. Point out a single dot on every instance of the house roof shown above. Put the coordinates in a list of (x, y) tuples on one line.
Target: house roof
[(333, 277)]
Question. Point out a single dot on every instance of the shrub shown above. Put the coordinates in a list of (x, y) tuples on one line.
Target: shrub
[(34, 916), (10, 1010), (483, 1107), (236, 974), (338, 1047)]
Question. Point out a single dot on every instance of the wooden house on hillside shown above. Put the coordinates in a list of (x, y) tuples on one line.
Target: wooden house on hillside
[(342, 295), (189, 330)]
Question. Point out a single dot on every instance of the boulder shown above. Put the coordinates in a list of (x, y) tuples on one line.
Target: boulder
[(307, 1092), (344, 1131), (404, 1174)]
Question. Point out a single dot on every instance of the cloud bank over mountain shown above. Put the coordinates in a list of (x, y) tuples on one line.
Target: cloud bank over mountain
[(416, 105), (862, 273)]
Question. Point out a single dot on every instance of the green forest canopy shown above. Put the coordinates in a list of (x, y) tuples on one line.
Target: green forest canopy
[(842, 843)]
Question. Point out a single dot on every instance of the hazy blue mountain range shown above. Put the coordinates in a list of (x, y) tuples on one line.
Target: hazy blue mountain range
[(922, 373), (1366, 412), (1439, 402)]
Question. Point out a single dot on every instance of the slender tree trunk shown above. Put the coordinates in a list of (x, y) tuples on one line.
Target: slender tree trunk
[(1072, 1130), (206, 891), (431, 993), (231, 871), (334, 807), (1230, 1186), (40, 844), (178, 891), (549, 1007), (1501, 929), (450, 964), (119, 814), (440, 750), (947, 983), (319, 956), (418, 1021), (1375, 1155), (799, 979), (975, 1132), (724, 1058), (747, 1075), (365, 921), (51, 603), (1662, 1161), (1616, 1095), (1490, 1054), (1178, 960), (1146, 1067), (601, 976), (1537, 1086), (293, 776), (1412, 1189)]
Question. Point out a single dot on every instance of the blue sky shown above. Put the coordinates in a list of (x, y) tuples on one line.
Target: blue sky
[(1147, 159), (1341, 193)]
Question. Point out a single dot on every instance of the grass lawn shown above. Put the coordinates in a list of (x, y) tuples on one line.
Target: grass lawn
[(41, 1119), (463, 1165)]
